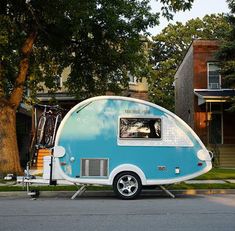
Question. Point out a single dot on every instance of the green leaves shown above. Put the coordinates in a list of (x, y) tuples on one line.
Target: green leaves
[(99, 40), (226, 54), (171, 6)]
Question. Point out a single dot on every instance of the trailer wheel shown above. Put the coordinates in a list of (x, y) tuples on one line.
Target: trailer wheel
[(127, 185)]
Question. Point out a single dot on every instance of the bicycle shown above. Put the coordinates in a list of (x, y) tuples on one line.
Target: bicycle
[(47, 125)]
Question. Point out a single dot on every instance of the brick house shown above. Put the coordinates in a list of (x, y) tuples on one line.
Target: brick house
[(201, 101)]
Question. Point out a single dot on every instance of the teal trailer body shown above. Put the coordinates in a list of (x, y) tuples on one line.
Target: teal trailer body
[(109, 135)]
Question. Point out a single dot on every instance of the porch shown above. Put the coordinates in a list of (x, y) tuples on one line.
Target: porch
[(215, 124)]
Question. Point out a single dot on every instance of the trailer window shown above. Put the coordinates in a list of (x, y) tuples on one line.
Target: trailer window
[(140, 128)]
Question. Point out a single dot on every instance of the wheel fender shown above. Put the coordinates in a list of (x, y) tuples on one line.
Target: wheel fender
[(127, 168)]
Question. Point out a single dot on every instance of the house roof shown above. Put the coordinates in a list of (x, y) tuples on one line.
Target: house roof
[(211, 95)]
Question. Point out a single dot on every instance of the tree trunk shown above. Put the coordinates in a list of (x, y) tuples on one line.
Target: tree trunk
[(9, 154), (9, 157)]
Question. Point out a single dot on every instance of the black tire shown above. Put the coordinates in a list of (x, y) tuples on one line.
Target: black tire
[(49, 131), (57, 122), (127, 185), (40, 130)]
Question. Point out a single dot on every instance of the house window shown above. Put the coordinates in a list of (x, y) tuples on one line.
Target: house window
[(58, 81), (140, 128), (132, 78), (213, 76)]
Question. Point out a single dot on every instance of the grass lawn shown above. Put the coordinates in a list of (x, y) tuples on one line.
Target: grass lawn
[(218, 174), (8, 188), (215, 173)]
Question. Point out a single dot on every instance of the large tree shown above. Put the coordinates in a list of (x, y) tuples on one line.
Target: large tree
[(169, 48), (99, 39), (226, 54)]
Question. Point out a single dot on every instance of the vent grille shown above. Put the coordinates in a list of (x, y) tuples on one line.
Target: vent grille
[(94, 167)]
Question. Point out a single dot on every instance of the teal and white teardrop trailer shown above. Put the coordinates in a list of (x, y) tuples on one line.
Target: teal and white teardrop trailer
[(127, 143)]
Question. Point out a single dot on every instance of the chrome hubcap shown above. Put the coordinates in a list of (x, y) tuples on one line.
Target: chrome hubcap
[(127, 185)]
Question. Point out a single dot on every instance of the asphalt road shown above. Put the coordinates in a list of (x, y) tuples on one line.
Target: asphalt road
[(191, 213)]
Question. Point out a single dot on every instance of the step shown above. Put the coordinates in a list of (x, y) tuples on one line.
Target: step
[(40, 156), (44, 152), (39, 165)]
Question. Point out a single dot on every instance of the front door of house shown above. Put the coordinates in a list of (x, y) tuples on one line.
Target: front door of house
[(216, 128)]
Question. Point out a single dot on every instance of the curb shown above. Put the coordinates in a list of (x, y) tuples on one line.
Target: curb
[(145, 193)]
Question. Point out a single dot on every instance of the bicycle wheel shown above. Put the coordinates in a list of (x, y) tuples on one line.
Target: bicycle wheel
[(57, 121), (49, 131), (40, 130)]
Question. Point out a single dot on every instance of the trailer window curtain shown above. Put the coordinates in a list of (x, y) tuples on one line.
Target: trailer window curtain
[(140, 128)]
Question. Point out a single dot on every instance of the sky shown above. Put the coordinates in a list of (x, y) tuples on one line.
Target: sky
[(199, 9)]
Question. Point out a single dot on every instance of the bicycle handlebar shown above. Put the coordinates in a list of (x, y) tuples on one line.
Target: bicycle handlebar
[(47, 106)]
